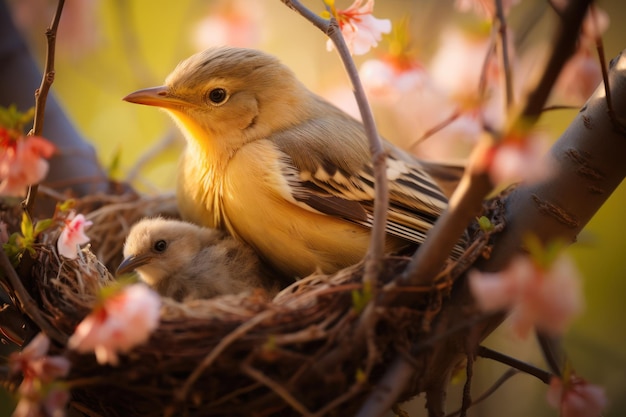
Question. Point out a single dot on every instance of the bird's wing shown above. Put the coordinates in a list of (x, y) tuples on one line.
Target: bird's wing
[(339, 183)]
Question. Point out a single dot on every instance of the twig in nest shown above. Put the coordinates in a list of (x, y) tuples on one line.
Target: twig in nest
[(27, 304), (354, 390), (280, 390), (41, 95), (216, 352)]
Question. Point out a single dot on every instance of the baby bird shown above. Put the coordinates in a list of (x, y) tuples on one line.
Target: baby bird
[(284, 170), (184, 261)]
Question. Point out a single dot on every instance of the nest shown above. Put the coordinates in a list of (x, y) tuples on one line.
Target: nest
[(311, 350)]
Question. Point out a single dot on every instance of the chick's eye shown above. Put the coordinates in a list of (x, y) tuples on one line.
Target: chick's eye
[(160, 245), (217, 95)]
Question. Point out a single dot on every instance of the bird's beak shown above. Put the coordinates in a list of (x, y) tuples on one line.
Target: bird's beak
[(156, 96), (132, 262)]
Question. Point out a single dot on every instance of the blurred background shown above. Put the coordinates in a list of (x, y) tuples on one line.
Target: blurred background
[(109, 48)]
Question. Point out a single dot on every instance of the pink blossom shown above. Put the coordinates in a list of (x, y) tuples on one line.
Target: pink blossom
[(595, 23), (579, 78), (52, 405), (462, 62), (484, 8), (386, 80), (518, 158), (405, 96), (548, 298), (576, 397), (34, 364), (73, 235), (360, 29), (123, 321), (22, 162), (38, 389)]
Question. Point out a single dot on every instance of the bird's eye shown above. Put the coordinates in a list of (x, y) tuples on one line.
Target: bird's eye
[(217, 96), (159, 246)]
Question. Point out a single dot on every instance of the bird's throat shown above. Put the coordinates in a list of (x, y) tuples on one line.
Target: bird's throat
[(200, 174)]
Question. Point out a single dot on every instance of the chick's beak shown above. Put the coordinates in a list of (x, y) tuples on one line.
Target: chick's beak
[(132, 262), (156, 96)]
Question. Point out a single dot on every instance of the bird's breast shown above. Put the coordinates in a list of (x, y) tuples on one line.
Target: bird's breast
[(199, 189)]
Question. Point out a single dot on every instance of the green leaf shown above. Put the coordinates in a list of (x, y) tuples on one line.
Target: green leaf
[(67, 205), (42, 225), (360, 376), (270, 344), (543, 255), (12, 118), (26, 226), (360, 298), (485, 224), (13, 249)]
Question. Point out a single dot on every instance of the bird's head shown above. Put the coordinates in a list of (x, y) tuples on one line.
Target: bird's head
[(222, 98), (158, 248)]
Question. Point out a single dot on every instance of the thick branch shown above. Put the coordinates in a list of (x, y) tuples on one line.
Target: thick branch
[(587, 166), (473, 188)]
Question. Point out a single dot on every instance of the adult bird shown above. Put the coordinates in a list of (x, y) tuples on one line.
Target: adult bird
[(281, 168), (185, 261)]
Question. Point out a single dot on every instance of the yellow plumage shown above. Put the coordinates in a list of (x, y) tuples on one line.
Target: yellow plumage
[(282, 169)]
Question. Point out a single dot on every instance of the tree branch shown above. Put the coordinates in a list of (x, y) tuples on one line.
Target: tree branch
[(41, 94), (475, 184), (464, 203), (540, 374), (373, 262), (504, 49)]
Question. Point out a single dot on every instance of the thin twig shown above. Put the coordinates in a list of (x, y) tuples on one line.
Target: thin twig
[(618, 124), (467, 388), (540, 374), (564, 45), (278, 389), (553, 352), (504, 47), (239, 332), (387, 390), (332, 405), (41, 94), (482, 81), (499, 382), (435, 129), (26, 302), (559, 107), (376, 248)]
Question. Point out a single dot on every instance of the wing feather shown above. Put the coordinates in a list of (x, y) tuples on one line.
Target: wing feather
[(327, 180)]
